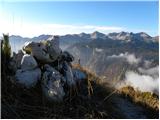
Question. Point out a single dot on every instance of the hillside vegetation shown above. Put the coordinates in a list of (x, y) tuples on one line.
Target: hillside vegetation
[(147, 99), (94, 100)]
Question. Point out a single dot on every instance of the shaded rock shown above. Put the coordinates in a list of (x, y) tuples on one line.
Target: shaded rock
[(66, 56), (52, 84), (79, 75), (28, 78), (68, 74), (15, 62)]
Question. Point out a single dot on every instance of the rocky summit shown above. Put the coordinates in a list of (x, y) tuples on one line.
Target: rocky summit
[(45, 62)]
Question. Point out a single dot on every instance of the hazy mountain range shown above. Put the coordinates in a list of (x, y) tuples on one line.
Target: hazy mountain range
[(70, 39), (119, 57)]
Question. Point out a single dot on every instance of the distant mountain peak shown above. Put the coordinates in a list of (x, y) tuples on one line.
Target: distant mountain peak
[(123, 34), (130, 36), (16, 36), (97, 34), (120, 36), (84, 35), (143, 34)]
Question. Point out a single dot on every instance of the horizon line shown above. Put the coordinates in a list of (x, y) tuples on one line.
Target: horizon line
[(75, 34)]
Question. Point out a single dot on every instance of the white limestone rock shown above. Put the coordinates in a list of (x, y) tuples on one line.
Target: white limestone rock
[(46, 51), (53, 47), (38, 50), (28, 62)]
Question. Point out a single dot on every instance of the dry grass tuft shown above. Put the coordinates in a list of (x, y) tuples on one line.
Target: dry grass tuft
[(145, 98)]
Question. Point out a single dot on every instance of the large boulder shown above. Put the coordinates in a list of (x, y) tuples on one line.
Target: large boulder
[(66, 56), (15, 62), (29, 74), (18, 58), (46, 51), (28, 62), (79, 75), (28, 78), (38, 50), (68, 74), (53, 47), (52, 84)]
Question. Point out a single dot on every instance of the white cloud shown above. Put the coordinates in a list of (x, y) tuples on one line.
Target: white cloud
[(154, 71), (130, 58), (145, 83), (147, 63), (98, 50), (145, 80)]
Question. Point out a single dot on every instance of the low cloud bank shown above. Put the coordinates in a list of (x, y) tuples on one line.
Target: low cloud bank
[(154, 72), (98, 50), (130, 58), (147, 63), (147, 80)]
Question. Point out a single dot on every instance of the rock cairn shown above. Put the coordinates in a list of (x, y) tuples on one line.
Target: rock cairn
[(44, 61)]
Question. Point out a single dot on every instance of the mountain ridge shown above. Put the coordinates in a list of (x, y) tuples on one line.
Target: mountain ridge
[(91, 35), (71, 39)]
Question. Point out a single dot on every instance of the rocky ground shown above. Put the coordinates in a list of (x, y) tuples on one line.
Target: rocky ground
[(105, 102)]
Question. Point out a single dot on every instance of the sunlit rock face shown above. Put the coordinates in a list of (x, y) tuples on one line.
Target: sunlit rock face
[(28, 62), (45, 51), (29, 74)]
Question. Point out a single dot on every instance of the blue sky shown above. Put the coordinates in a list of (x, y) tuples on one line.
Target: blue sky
[(35, 18)]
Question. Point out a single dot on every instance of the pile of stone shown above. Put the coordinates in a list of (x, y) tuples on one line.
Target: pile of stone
[(44, 61)]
